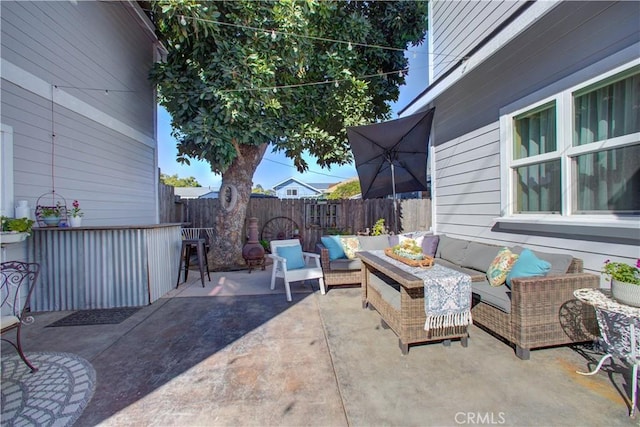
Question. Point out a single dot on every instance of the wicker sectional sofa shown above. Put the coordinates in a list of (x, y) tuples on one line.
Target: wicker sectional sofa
[(534, 312)]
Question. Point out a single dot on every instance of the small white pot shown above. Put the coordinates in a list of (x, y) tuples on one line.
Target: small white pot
[(626, 293), (75, 221)]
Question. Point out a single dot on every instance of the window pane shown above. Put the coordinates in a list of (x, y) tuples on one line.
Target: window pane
[(609, 181), (535, 132), (538, 188), (608, 112)]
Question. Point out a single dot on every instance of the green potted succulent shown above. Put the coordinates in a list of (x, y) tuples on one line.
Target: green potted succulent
[(15, 229), (625, 281)]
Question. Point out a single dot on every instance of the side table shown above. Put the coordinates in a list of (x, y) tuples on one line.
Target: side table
[(620, 332)]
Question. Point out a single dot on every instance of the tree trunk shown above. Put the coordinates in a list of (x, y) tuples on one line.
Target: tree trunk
[(229, 223)]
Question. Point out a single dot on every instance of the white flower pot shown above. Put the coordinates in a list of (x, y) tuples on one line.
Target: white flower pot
[(75, 221), (626, 293)]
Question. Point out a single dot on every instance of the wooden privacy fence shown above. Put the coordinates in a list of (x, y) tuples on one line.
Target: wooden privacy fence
[(308, 218)]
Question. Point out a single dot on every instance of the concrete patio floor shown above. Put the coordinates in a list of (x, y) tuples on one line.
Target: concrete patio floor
[(237, 354)]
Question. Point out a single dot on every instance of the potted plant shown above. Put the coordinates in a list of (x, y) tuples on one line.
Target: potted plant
[(75, 214), (625, 281), (51, 215), (15, 229)]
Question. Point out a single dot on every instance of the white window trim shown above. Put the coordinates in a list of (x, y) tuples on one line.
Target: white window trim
[(565, 151), (6, 170)]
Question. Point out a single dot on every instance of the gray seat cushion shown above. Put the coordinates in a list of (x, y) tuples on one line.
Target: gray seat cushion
[(479, 256), (452, 249), (496, 296), (372, 243), (559, 262), (476, 276), (388, 288), (345, 264)]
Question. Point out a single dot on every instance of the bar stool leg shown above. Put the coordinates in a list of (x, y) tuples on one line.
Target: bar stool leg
[(201, 261), (206, 261), (182, 249)]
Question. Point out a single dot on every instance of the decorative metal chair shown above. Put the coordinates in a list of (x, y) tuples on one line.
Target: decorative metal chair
[(289, 274), (620, 334), (18, 282)]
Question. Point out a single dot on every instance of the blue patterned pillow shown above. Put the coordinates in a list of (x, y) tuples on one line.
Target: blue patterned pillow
[(528, 265), (293, 255), (334, 246)]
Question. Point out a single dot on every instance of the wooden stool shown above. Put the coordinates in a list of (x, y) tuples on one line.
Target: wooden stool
[(189, 245)]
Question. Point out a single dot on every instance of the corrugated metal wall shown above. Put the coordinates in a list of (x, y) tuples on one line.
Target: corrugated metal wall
[(104, 268)]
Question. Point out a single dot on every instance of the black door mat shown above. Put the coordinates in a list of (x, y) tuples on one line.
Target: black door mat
[(106, 316)]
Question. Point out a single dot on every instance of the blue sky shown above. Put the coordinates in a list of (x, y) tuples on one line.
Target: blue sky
[(276, 167)]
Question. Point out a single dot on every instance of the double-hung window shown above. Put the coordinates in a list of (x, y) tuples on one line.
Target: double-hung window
[(578, 152)]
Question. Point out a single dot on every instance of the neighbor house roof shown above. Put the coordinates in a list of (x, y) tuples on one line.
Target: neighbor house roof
[(292, 179), (193, 192)]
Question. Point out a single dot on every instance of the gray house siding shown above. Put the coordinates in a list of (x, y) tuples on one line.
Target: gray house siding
[(79, 71), (90, 45), (456, 26), (572, 43)]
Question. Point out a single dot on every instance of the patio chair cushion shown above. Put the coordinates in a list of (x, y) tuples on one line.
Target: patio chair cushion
[(501, 266), (8, 320), (334, 246), (479, 256), (371, 243), (350, 245), (528, 265), (498, 297), (452, 249), (476, 276), (293, 255), (345, 264)]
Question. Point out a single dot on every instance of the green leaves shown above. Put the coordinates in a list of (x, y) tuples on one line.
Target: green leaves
[(225, 59)]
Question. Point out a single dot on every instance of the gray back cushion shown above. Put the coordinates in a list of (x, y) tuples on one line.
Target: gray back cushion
[(371, 243), (559, 262), (479, 256), (451, 249)]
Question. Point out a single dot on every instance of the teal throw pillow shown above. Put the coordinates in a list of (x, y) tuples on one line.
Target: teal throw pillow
[(293, 255), (334, 246), (528, 265)]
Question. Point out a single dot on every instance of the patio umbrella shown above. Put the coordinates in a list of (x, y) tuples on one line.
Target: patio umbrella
[(391, 157)]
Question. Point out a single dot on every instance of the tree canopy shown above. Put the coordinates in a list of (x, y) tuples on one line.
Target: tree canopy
[(174, 181), (290, 73), (242, 75), (345, 190)]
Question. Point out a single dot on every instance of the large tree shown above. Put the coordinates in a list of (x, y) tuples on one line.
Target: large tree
[(240, 75)]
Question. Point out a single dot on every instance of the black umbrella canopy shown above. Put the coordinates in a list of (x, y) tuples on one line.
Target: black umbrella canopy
[(392, 152)]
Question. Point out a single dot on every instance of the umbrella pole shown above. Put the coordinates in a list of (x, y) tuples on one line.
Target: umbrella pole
[(395, 206)]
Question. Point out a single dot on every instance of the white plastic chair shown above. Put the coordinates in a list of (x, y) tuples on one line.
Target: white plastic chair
[(300, 274)]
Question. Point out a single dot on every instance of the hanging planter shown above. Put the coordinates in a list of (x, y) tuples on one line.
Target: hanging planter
[(51, 210)]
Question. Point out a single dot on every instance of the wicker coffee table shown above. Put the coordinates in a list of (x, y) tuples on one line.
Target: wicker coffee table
[(398, 296)]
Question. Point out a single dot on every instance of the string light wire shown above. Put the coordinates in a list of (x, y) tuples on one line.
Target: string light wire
[(275, 32)]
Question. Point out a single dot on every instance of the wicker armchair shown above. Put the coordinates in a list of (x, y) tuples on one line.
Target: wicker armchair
[(544, 311), (336, 277)]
